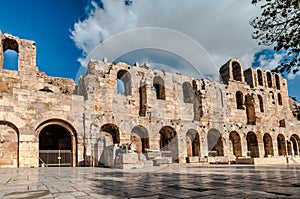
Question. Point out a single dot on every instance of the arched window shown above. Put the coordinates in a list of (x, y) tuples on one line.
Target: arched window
[(159, 86), (260, 77), (279, 99), (269, 79), (124, 82), (277, 81), (188, 94), (261, 103), (236, 71), (272, 97), (239, 100), (10, 53)]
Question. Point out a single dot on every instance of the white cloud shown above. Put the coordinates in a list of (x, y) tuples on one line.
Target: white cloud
[(221, 27)]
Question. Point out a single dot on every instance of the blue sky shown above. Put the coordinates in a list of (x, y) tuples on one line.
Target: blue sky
[(65, 30)]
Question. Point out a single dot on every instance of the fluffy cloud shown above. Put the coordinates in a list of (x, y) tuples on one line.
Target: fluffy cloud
[(221, 27)]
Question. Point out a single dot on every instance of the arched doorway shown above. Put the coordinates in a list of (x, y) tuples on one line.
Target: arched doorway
[(268, 145), (139, 136), (168, 141), (192, 143), (57, 144), (281, 145), (295, 143), (215, 143), (252, 145), (9, 145), (235, 139), (112, 131)]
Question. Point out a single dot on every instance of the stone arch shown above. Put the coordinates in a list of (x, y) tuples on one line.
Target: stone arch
[(140, 137), (260, 79), (9, 144), (112, 131), (295, 140), (277, 81), (269, 79), (193, 143), (261, 103), (268, 145), (235, 139), (250, 109), (10, 54), (188, 94), (252, 145), (281, 145), (215, 142), (236, 71), (125, 77), (279, 98), (56, 134), (239, 100), (159, 86), (168, 141)]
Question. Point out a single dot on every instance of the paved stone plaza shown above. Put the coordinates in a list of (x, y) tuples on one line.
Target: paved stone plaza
[(193, 181)]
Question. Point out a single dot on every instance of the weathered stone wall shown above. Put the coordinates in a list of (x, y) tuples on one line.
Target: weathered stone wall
[(247, 113)]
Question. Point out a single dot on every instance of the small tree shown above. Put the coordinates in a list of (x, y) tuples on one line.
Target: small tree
[(279, 25)]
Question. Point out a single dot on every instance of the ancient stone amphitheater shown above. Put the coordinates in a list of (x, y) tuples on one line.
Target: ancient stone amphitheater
[(51, 121)]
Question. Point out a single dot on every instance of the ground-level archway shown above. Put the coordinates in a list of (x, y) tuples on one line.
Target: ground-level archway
[(268, 145), (281, 145), (295, 143), (9, 145), (252, 145), (57, 143), (192, 143), (140, 137), (215, 143), (235, 139), (168, 141), (112, 131)]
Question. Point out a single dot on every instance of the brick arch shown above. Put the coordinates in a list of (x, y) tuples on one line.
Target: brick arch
[(235, 139), (9, 144), (140, 137), (215, 142), (268, 145), (54, 125), (296, 144), (112, 131), (168, 141), (193, 143), (281, 145), (252, 144)]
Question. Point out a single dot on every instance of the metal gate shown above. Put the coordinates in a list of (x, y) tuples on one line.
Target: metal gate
[(55, 158)]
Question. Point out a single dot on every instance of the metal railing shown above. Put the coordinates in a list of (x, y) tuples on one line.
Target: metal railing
[(55, 158)]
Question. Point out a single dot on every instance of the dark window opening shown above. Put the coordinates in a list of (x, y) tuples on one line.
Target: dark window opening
[(277, 81), (143, 100), (259, 77), (239, 100), (159, 87), (250, 110), (112, 131), (188, 94), (269, 79), (236, 71), (123, 77), (261, 103), (279, 99)]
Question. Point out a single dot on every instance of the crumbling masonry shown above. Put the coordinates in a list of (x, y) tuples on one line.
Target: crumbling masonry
[(244, 118)]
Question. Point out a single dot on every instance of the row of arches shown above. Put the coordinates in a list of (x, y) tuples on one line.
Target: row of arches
[(240, 101), (269, 82)]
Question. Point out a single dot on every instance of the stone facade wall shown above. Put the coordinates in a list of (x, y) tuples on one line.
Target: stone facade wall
[(246, 114)]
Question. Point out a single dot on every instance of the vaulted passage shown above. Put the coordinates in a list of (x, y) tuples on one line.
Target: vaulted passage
[(168, 141), (281, 145), (235, 143), (192, 143), (268, 145), (112, 131), (215, 143), (139, 136), (252, 145), (9, 144), (55, 146), (295, 143)]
